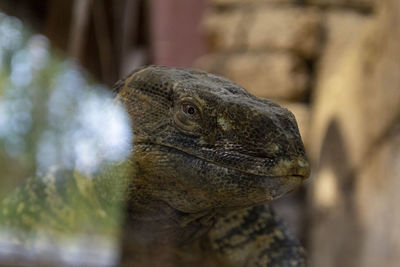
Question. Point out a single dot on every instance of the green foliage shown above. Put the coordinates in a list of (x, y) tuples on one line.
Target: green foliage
[(63, 142)]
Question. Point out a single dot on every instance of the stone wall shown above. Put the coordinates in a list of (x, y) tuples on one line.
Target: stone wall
[(336, 65)]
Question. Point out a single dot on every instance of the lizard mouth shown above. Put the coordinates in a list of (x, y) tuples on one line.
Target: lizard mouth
[(203, 183), (297, 168)]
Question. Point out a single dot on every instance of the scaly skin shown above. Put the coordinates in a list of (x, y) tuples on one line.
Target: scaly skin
[(207, 156)]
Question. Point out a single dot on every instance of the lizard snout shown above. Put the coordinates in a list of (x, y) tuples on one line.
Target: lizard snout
[(297, 167)]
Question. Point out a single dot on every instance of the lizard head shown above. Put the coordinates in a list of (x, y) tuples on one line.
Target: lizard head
[(203, 142)]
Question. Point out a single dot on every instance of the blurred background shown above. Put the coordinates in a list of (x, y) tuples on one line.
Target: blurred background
[(334, 63)]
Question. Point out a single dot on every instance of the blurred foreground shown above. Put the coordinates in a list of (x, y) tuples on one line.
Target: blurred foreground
[(62, 141)]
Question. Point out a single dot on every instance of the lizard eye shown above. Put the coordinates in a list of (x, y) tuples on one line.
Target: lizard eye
[(187, 116), (190, 110)]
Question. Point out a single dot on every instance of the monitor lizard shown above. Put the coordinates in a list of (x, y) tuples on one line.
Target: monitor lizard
[(207, 157)]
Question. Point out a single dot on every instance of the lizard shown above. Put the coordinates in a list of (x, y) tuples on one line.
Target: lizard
[(207, 157)]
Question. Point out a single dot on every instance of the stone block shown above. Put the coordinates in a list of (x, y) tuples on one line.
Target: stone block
[(265, 28), (360, 4), (271, 75), (223, 30), (294, 29)]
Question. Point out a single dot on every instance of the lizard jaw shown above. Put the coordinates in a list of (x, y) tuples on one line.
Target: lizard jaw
[(263, 167), (206, 185)]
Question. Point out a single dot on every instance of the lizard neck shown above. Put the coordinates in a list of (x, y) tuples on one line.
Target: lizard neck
[(151, 222)]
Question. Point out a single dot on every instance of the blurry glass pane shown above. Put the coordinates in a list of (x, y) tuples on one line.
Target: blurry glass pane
[(64, 145)]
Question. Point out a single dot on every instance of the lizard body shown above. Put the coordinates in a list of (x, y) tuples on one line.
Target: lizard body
[(207, 156)]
